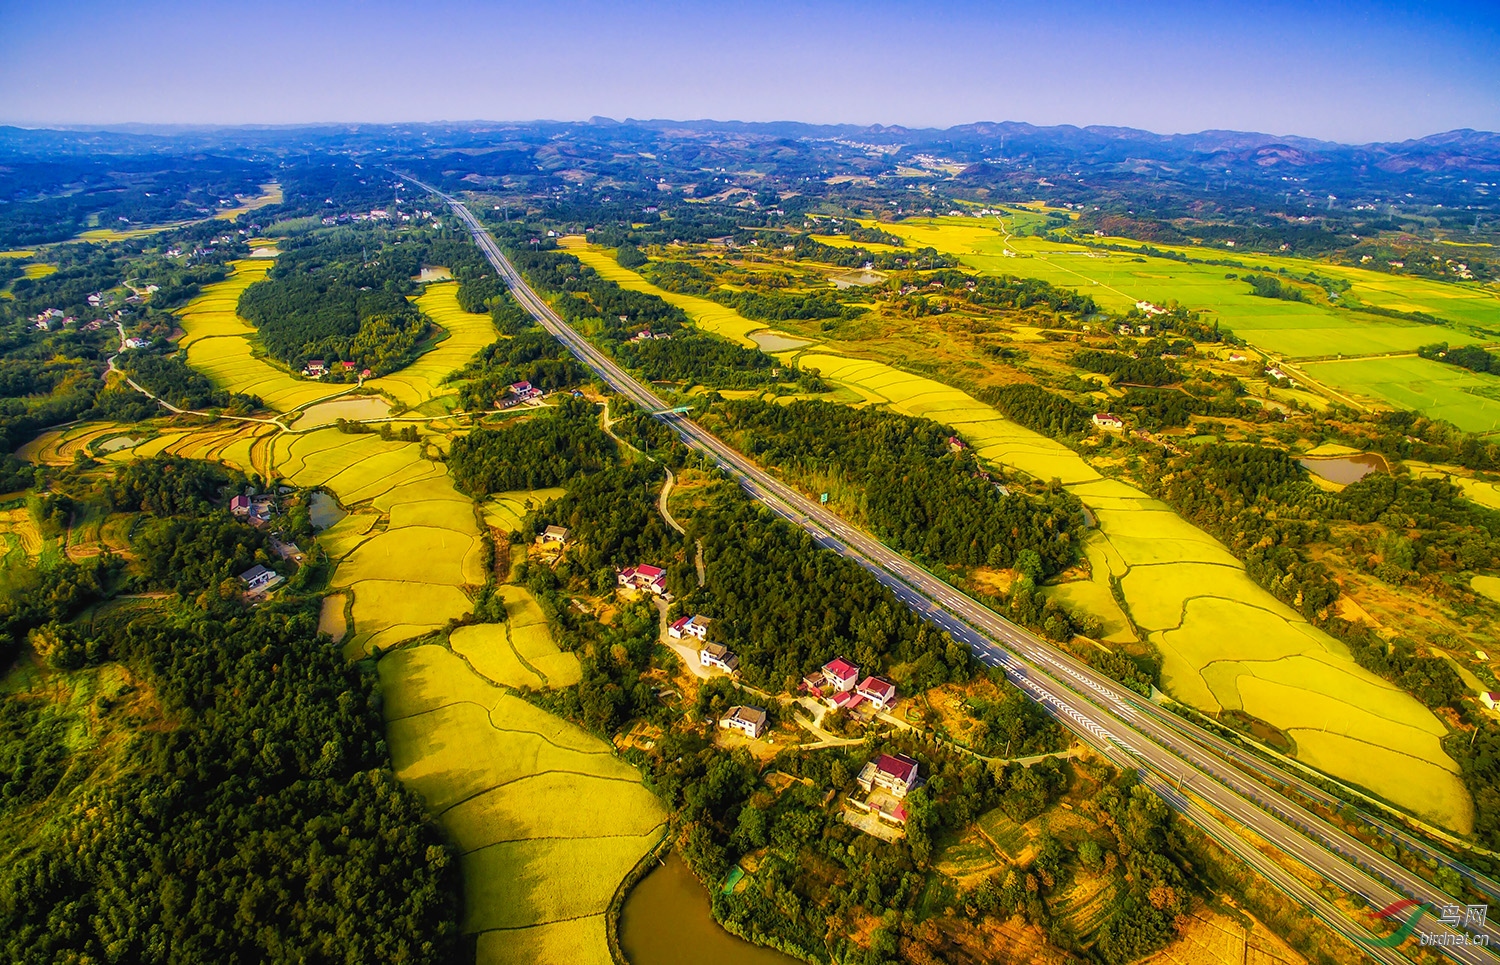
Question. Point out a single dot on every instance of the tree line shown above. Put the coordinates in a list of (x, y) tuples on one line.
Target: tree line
[(917, 490)]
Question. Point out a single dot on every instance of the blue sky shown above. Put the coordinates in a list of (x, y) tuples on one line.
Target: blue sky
[(1344, 71)]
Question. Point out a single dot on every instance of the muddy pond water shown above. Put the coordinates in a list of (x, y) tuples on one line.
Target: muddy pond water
[(1345, 469), (666, 921)]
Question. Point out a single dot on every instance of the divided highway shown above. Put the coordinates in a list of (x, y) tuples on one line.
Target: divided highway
[(1185, 765)]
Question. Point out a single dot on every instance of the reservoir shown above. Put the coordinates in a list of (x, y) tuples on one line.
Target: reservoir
[(666, 921), (1345, 469)]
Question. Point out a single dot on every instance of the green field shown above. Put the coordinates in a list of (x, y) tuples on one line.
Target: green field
[(1469, 400), (1282, 329)]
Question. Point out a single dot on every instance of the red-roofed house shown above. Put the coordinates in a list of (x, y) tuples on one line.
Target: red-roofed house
[(652, 579), (845, 700), (1491, 700), (240, 505), (840, 674), (881, 693), (896, 773), (836, 677)]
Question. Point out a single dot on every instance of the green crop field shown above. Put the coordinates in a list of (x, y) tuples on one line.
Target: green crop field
[(1117, 280), (1283, 329), (1469, 400)]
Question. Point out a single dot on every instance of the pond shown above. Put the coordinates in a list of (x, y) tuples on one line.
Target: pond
[(324, 510), (666, 921), (773, 342), (1345, 469)]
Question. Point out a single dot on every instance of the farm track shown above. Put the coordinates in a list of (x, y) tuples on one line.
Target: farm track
[(1190, 773)]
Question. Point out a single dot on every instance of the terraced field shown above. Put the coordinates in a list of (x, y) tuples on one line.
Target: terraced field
[(549, 821), (467, 333), (710, 316), (218, 344), (1226, 644)]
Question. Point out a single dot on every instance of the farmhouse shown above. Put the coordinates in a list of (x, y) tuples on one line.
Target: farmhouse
[(693, 626), (258, 578), (240, 505), (1491, 700), (652, 579), (751, 721), (555, 534), (1108, 422), (314, 369), (837, 676), (718, 655), (895, 773), (879, 692)]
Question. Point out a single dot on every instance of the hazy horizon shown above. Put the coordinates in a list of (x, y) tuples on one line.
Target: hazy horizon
[(1379, 71)]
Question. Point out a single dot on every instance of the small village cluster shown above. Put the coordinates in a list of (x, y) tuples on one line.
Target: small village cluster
[(317, 368), (884, 781)]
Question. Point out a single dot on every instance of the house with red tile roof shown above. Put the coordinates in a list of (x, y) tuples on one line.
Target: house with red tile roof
[(896, 773), (881, 693), (652, 579)]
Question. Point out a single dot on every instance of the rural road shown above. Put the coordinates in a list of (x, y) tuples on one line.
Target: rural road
[(1194, 772)]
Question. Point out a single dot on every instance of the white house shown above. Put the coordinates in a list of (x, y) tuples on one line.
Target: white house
[(896, 773), (1108, 422), (881, 693), (718, 655), (258, 578), (751, 721), (693, 626), (1490, 699), (555, 534)]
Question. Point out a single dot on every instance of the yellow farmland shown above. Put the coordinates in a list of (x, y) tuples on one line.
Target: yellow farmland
[(218, 344), (1225, 642), (505, 511), (468, 332), (707, 315), (549, 821)]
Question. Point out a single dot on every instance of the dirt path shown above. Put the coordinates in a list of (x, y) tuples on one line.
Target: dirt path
[(666, 514)]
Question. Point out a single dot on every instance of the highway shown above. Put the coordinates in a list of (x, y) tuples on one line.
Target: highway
[(1189, 768)]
